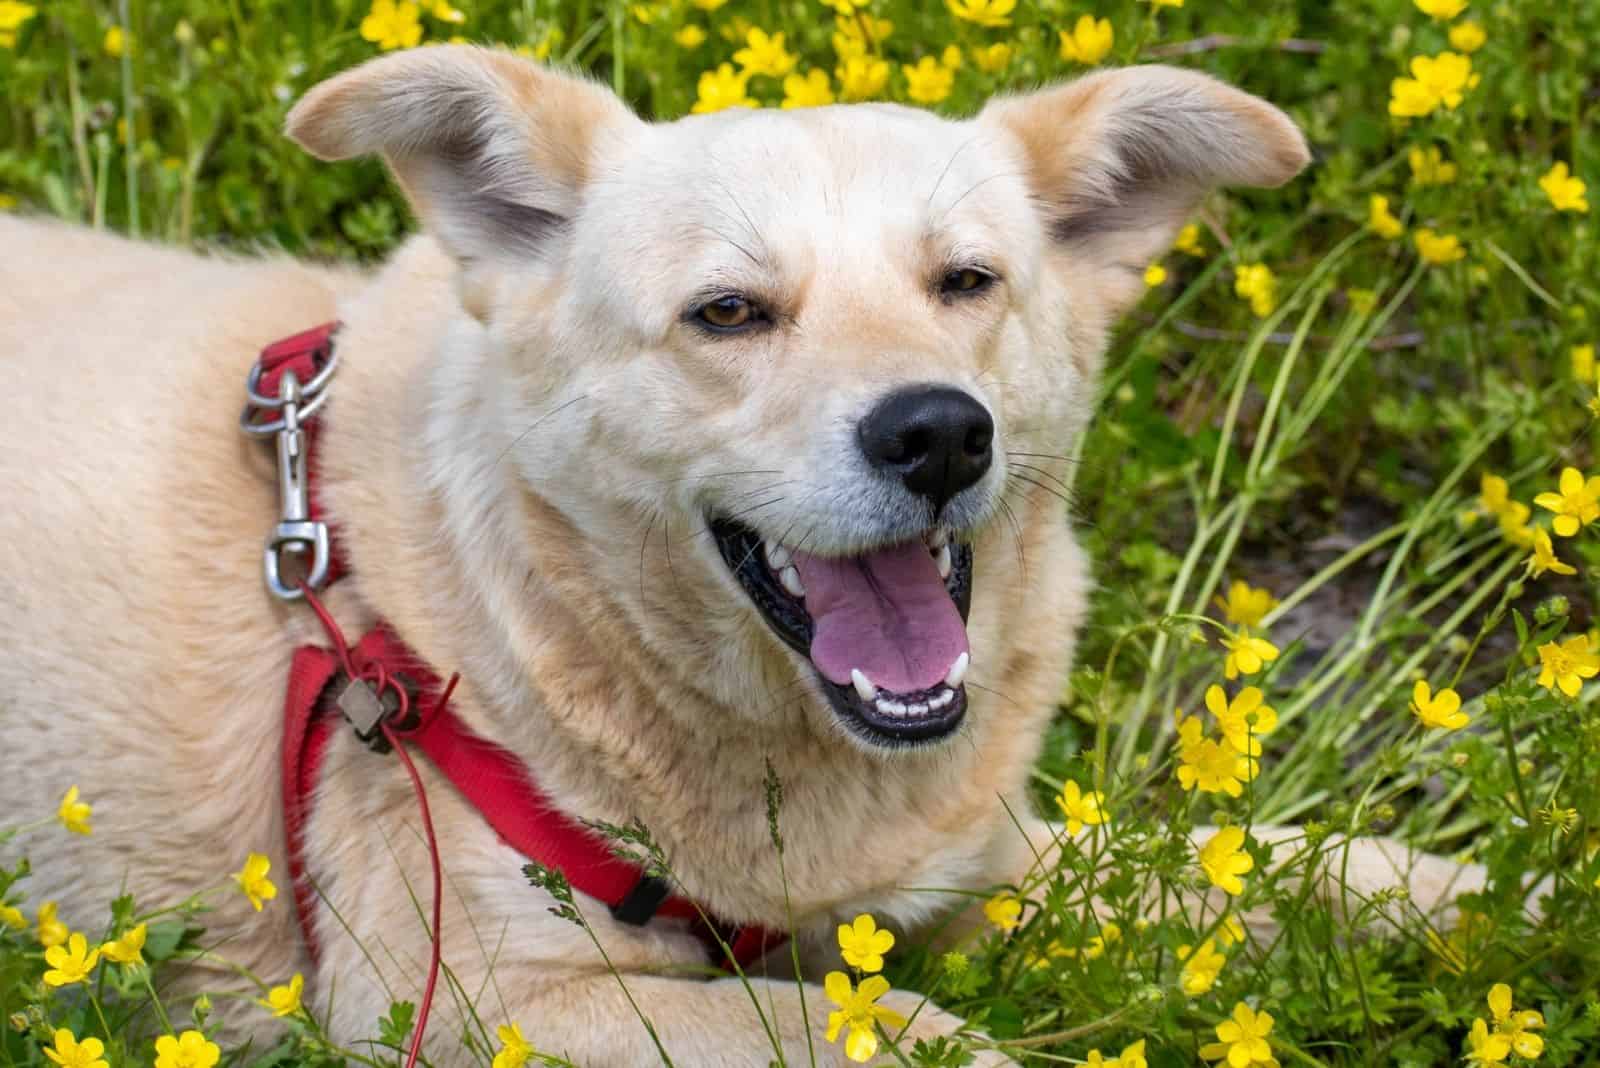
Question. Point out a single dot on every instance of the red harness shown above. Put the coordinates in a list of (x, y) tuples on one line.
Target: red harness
[(489, 778)]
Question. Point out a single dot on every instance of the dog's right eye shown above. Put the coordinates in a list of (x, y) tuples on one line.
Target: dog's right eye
[(728, 313)]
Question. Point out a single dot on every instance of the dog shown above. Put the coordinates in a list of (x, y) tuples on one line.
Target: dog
[(690, 446)]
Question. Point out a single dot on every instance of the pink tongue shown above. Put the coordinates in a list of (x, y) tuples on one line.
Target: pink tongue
[(887, 613)]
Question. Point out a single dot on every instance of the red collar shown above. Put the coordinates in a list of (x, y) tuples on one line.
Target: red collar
[(490, 779)]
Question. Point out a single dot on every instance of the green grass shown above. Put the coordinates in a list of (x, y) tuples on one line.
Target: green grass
[(1330, 450)]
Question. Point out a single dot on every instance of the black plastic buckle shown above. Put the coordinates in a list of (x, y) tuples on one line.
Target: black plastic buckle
[(642, 901)]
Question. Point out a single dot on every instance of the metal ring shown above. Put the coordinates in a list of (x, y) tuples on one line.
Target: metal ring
[(262, 430), (318, 380), (309, 537)]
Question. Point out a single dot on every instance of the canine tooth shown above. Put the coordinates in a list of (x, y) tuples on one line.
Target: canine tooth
[(958, 671), (790, 578), (863, 685), (942, 558), (917, 708), (938, 538), (778, 557)]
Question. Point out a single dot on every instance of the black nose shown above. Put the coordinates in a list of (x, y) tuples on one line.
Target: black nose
[(936, 439)]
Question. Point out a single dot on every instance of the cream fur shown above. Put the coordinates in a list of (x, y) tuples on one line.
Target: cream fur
[(518, 453)]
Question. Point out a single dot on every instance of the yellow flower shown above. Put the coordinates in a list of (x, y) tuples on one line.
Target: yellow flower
[(951, 57), (188, 1050), (1467, 37), (1088, 42), (12, 15), (115, 42), (929, 81), (391, 24), (1224, 860), (858, 1010), (252, 879), (1201, 967), (129, 949), (644, 14), (1514, 527), (1244, 606), (991, 13), (1565, 190), (1441, 711), (1256, 283), (1576, 506), (12, 917), (1246, 654), (1154, 275), (1081, 808), (1429, 167), (1438, 248), (1130, 1057), (442, 11), (286, 1000), (1443, 10), (690, 37), (721, 88), (1242, 1040), (74, 814), (1109, 933), (862, 944), (1188, 241), (862, 77), (1211, 765), (1544, 557), (1565, 665), (68, 1052), (810, 90), (1516, 1027), (765, 54), (515, 1050), (52, 932), (1004, 911), (993, 59), (1231, 933), (1244, 719), (1583, 366), (1484, 1048), (1435, 82), (70, 963), (1167, 3), (708, 5), (1380, 221)]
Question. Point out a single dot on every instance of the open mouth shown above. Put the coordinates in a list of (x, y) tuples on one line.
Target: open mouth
[(885, 630)]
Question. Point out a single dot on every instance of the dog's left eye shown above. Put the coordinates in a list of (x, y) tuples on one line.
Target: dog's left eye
[(965, 281), (729, 313)]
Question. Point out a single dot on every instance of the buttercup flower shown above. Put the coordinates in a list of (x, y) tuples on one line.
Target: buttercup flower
[(862, 944), (1246, 654), (1213, 767), (286, 1000), (1201, 967), (1231, 933), (1513, 519), (1154, 275), (515, 1050), (1566, 192), (52, 932), (858, 1010), (1467, 37), (1256, 283), (1244, 606), (1484, 1048), (690, 37), (1429, 167), (951, 57), (764, 54), (993, 59), (862, 77), (12, 917), (1242, 1040), (127, 950), (188, 1050), (1438, 248), (1188, 241), (1443, 10), (1244, 719), (392, 24), (444, 12), (708, 5), (1224, 860), (1088, 42), (991, 13), (1130, 1057), (808, 90), (70, 963), (1544, 557), (1516, 1027), (1576, 505), (1583, 366), (252, 879), (73, 813), (1441, 711), (1564, 665), (115, 42), (1380, 221), (1436, 82), (1081, 808), (12, 15), (1004, 911), (721, 88), (68, 1052), (929, 81)]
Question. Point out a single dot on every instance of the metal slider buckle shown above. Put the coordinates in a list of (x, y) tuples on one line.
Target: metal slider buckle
[(365, 708)]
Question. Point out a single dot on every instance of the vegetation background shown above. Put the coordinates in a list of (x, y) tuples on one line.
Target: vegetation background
[(1344, 394)]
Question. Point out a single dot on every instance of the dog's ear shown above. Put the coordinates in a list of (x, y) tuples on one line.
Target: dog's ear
[(491, 149), (1117, 160)]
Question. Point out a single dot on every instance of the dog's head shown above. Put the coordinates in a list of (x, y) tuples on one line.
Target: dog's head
[(823, 340)]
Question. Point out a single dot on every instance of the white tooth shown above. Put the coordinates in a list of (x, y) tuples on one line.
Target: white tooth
[(917, 708), (944, 698), (863, 685), (938, 538), (790, 578), (942, 558), (777, 556), (891, 708), (958, 671)]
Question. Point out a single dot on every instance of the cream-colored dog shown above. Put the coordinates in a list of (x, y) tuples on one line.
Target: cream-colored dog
[(685, 443)]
